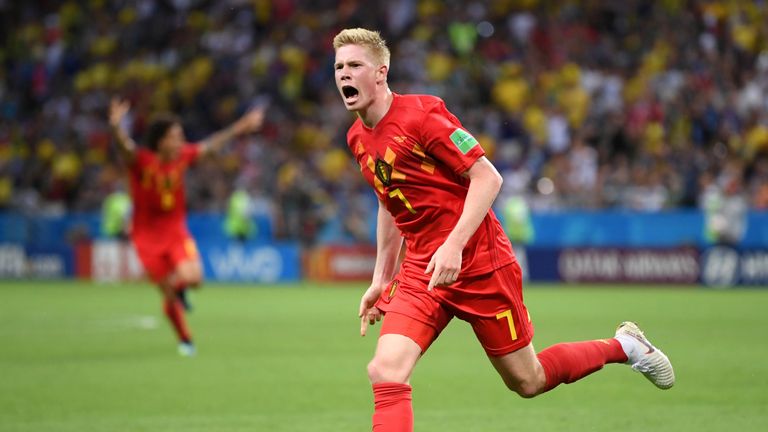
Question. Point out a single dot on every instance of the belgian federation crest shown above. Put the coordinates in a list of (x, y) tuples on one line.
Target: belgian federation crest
[(393, 288), (383, 172)]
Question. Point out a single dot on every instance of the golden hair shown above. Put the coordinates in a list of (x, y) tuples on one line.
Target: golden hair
[(365, 38)]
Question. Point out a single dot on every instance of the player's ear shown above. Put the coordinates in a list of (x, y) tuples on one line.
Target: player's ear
[(381, 73)]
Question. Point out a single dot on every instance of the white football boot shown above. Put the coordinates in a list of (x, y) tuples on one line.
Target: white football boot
[(644, 357), (187, 349)]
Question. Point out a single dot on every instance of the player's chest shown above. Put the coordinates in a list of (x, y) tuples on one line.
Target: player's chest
[(390, 159), (162, 176)]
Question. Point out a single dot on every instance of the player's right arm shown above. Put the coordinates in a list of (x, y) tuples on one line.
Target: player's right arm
[(118, 108), (388, 244)]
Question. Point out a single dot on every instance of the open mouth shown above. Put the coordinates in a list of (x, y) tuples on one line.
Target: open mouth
[(350, 93)]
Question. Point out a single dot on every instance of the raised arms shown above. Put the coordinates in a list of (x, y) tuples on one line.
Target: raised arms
[(118, 108), (249, 122)]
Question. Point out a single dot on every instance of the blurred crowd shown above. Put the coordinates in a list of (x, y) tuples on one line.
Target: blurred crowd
[(643, 105)]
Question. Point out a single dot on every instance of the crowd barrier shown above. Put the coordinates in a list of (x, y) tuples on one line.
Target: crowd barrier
[(609, 247), (621, 228)]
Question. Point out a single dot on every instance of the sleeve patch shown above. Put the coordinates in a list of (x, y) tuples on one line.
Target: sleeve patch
[(463, 140)]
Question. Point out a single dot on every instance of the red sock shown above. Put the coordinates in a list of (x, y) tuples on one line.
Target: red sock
[(569, 362), (175, 313), (393, 410)]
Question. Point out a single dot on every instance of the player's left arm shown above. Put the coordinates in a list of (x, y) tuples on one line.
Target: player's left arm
[(484, 184), (249, 122)]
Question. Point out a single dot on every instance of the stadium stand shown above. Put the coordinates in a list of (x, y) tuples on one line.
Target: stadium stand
[(582, 105)]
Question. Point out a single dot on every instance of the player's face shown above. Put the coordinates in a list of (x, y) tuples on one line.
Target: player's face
[(356, 76), (172, 141)]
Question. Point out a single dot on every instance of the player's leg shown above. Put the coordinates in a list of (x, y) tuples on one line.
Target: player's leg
[(175, 312), (188, 270), (394, 359), (502, 325), (160, 269), (402, 342), (530, 374), (187, 274), (412, 321), (389, 373)]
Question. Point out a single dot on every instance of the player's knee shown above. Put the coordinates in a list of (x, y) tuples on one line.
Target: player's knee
[(166, 290), (376, 372), (194, 280), (528, 391), (525, 388), (190, 275), (382, 371)]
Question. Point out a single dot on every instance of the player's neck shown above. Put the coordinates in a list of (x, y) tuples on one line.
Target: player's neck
[(377, 110), (165, 156)]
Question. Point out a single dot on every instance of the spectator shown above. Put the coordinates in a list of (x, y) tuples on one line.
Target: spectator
[(643, 84)]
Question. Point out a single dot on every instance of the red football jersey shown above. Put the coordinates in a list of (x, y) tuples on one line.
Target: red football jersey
[(157, 191), (414, 159)]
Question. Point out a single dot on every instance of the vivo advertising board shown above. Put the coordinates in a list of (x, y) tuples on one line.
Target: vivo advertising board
[(222, 261), (234, 262)]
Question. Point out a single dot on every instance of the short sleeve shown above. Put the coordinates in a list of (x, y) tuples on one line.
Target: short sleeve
[(190, 153), (142, 159), (446, 140)]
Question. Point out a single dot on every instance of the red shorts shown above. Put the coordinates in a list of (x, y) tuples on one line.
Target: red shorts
[(492, 303), (161, 259)]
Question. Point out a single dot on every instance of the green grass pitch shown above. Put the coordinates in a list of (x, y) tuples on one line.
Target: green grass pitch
[(84, 357)]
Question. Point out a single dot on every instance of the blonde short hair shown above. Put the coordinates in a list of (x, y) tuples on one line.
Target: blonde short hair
[(365, 38)]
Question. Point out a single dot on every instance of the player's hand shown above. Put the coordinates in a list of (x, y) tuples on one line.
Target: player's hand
[(368, 313), (445, 266), (250, 121), (118, 108)]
